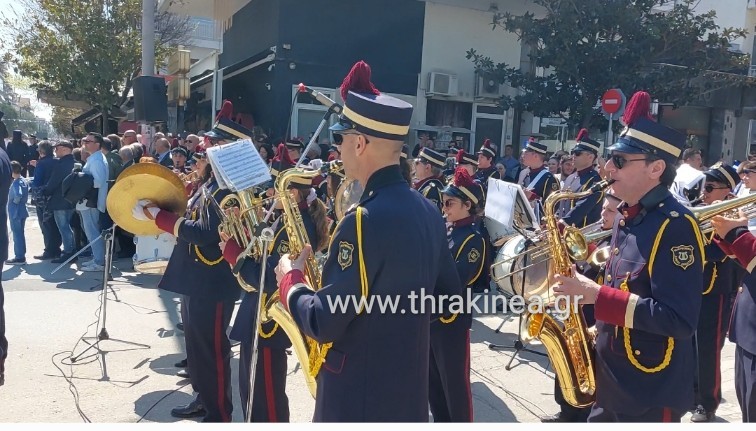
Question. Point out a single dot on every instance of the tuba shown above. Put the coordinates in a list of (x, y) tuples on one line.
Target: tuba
[(567, 345), (310, 353)]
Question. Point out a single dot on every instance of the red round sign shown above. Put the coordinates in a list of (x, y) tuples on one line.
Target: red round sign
[(611, 101)]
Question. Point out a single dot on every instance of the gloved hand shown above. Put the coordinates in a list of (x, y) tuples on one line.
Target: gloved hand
[(145, 210)]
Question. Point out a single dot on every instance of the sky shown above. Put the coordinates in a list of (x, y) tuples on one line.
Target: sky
[(40, 109)]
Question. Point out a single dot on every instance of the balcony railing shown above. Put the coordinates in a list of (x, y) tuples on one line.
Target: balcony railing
[(205, 29)]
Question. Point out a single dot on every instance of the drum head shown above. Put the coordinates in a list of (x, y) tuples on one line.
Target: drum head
[(153, 253), (511, 279)]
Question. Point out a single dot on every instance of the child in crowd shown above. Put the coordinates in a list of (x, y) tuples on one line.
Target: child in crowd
[(17, 213)]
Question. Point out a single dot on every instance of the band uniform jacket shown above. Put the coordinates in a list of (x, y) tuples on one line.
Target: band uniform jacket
[(196, 267), (482, 176), (391, 245), (740, 244), (469, 249), (431, 188), (271, 335), (648, 308), (545, 186), (587, 210)]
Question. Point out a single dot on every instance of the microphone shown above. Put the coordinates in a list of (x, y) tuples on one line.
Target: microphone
[(320, 97)]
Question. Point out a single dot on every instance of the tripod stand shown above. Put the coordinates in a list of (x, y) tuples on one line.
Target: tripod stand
[(518, 345), (103, 335)]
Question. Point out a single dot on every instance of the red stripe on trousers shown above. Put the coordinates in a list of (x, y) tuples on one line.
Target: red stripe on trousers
[(666, 414), (269, 393), (219, 362), (467, 375), (717, 370)]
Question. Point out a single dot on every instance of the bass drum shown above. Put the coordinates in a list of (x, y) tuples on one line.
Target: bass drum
[(153, 252), (508, 274)]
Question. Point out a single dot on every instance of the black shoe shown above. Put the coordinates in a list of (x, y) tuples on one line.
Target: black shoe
[(180, 326), (180, 364), (16, 262), (2, 379), (63, 258), (559, 417), (192, 410), (701, 415), (183, 373), (45, 256)]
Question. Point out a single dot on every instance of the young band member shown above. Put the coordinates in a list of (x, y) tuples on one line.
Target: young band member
[(733, 237), (376, 369), (270, 403), (429, 166), (449, 391), (647, 308), (584, 211), (486, 168), (197, 271), (539, 183), (721, 280)]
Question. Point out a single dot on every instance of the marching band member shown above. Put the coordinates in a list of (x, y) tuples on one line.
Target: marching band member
[(467, 161), (270, 403), (587, 210), (733, 237), (429, 166), (721, 280), (449, 391), (486, 168), (404, 165), (539, 183), (179, 156), (196, 270), (647, 309), (376, 369)]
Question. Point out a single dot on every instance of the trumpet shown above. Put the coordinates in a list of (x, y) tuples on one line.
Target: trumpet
[(189, 177)]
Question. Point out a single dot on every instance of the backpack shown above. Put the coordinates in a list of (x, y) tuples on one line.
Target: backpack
[(78, 186)]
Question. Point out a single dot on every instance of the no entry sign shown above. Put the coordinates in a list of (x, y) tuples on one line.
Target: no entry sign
[(612, 101)]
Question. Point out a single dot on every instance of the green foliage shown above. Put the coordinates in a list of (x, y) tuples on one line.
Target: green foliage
[(61, 120), (18, 119), (590, 46), (88, 51)]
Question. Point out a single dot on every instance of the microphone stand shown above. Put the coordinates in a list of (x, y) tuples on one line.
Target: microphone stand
[(107, 234), (266, 236), (333, 109)]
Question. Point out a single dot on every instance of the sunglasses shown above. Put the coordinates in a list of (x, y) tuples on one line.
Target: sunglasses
[(449, 202), (620, 161), (709, 188)]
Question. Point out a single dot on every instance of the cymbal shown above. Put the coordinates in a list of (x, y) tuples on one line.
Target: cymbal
[(149, 181)]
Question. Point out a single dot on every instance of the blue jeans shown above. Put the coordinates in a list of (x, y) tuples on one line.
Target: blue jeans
[(90, 219), (63, 221), (19, 240)]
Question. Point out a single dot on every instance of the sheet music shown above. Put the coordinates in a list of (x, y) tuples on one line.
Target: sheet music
[(238, 165), (507, 205)]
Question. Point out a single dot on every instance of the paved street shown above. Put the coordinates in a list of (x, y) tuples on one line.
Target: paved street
[(47, 315)]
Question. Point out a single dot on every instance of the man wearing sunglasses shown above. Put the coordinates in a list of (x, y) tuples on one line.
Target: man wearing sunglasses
[(587, 210), (647, 308), (539, 183), (429, 166), (393, 243), (722, 277)]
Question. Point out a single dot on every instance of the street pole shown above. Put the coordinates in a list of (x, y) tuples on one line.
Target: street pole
[(609, 134), (148, 37)]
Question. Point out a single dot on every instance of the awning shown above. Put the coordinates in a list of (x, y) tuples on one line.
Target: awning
[(258, 59)]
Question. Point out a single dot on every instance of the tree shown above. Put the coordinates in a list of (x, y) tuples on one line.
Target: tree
[(86, 51), (590, 46), (61, 120)]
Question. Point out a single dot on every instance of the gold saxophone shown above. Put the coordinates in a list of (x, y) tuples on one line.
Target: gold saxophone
[(567, 345), (310, 353)]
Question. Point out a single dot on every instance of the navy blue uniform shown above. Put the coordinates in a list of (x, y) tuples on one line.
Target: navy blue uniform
[(588, 209), (392, 245), (740, 244), (546, 184), (449, 390), (647, 312), (431, 188), (270, 403), (5, 182), (197, 271), (721, 279), (482, 176)]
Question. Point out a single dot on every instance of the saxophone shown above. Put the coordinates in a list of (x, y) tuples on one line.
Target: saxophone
[(310, 353), (567, 345)]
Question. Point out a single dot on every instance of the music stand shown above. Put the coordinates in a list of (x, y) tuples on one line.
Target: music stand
[(103, 335), (518, 345)]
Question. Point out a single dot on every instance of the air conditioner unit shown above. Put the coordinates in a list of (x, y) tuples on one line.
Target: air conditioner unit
[(487, 86), (442, 84)]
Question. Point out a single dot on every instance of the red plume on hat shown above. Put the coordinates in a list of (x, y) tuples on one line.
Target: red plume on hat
[(582, 134), (639, 106), (358, 81), (460, 155), (462, 178), (487, 143), (226, 111)]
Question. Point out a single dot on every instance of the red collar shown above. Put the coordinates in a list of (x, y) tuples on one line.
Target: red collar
[(631, 212), (464, 222)]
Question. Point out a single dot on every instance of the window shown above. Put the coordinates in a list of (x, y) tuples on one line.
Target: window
[(442, 113)]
